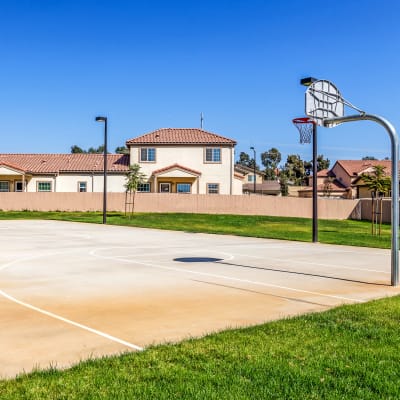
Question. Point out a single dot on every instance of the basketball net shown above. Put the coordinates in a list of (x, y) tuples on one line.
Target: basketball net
[(305, 127)]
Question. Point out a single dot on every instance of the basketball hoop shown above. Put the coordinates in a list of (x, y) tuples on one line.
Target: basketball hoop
[(305, 126)]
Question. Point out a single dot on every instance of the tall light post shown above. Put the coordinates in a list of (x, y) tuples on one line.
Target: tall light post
[(104, 119), (254, 177), (307, 82)]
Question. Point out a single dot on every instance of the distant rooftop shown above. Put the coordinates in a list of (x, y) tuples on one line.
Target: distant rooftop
[(74, 162)]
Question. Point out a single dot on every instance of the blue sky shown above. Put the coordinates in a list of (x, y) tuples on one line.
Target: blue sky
[(153, 64)]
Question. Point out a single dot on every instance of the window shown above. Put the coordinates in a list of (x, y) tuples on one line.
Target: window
[(148, 154), (212, 188), (183, 188), (213, 154), (144, 187), (4, 186), (19, 187), (250, 178), (44, 186), (82, 186), (165, 187)]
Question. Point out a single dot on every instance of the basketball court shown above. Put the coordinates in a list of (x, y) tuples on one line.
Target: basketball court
[(71, 291)]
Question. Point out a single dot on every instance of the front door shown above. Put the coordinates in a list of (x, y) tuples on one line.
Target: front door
[(165, 187)]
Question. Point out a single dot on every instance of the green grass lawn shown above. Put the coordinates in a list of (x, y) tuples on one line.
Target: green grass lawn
[(350, 352), (345, 232)]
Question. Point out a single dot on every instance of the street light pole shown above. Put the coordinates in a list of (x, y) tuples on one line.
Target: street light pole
[(104, 119), (254, 177)]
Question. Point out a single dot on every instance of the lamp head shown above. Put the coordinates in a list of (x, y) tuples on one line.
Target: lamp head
[(101, 119), (308, 81)]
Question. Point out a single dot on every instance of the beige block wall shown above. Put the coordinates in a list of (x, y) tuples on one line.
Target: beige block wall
[(189, 203)]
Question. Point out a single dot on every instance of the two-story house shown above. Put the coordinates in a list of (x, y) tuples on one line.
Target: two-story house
[(180, 160)]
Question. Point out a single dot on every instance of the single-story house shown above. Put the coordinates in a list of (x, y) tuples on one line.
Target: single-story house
[(173, 160), (61, 172)]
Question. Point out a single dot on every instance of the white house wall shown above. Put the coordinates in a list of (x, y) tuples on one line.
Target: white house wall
[(237, 186), (31, 185), (69, 183), (193, 157)]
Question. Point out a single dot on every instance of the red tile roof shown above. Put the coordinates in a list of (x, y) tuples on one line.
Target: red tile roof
[(323, 173), (334, 186), (176, 166), (355, 167), (55, 163), (181, 136)]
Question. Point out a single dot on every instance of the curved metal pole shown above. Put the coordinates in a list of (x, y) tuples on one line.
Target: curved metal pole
[(395, 181)]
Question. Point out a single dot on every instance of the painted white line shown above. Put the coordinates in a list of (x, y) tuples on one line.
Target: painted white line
[(55, 316), (93, 253), (32, 257), (68, 321), (313, 263)]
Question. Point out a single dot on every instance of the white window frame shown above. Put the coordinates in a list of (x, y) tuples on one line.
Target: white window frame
[(212, 152), (146, 151), (22, 185), (214, 190), (146, 185), (164, 183), (8, 186), (38, 183), (184, 183), (79, 186)]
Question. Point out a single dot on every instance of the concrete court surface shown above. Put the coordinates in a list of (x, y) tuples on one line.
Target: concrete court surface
[(69, 291)]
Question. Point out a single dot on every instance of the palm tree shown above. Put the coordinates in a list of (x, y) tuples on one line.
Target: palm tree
[(134, 177), (379, 184)]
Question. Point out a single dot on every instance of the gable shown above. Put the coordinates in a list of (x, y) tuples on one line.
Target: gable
[(8, 170), (176, 171)]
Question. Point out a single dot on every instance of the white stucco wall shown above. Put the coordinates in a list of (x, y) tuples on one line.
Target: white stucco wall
[(193, 157), (69, 182), (94, 183)]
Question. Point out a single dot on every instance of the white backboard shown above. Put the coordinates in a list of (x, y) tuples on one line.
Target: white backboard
[(323, 100)]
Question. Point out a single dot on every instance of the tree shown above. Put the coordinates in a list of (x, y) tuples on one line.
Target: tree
[(91, 150), (76, 149), (283, 181), (322, 163), (244, 159), (271, 159), (122, 150), (294, 169), (328, 187), (134, 177), (377, 181), (368, 158), (99, 150)]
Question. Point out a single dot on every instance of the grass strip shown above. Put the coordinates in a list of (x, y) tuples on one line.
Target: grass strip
[(343, 232), (350, 352)]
